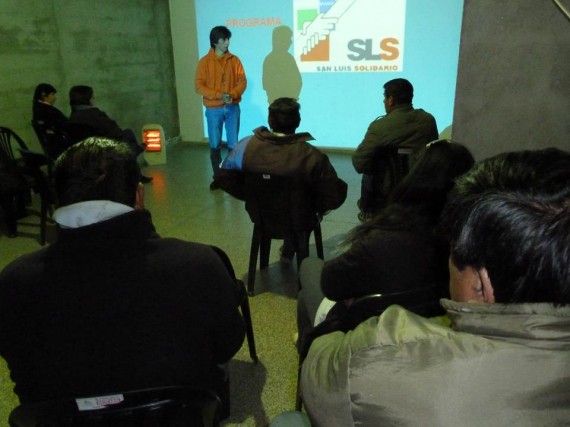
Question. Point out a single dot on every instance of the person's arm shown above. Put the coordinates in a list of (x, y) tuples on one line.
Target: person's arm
[(329, 188), (353, 273), (363, 157), (58, 119), (230, 176), (229, 326), (232, 182), (240, 80), (107, 126), (326, 374), (203, 86)]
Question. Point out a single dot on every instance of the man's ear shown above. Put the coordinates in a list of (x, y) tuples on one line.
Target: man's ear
[(139, 197), (486, 285)]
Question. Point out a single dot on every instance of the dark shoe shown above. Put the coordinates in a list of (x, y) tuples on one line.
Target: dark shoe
[(146, 179), (214, 185)]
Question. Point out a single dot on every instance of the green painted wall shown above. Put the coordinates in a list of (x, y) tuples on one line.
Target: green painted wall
[(123, 49)]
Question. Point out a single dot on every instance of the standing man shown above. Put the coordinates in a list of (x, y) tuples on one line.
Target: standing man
[(220, 79), (402, 126)]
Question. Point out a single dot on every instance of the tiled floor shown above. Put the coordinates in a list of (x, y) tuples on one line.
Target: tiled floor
[(182, 206)]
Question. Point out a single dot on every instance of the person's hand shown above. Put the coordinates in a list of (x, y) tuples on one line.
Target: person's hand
[(227, 98)]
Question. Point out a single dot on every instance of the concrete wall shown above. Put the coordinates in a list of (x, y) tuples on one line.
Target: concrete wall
[(513, 85), (185, 48), (122, 49)]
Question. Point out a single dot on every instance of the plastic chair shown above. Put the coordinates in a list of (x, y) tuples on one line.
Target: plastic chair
[(53, 140), (391, 165), (10, 140), (277, 214), (422, 301), (41, 184), (244, 303), (10, 143), (14, 193), (164, 406)]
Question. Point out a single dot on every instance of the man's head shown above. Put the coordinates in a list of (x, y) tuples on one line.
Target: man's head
[(97, 169), (397, 92), (80, 95), (508, 222), (220, 39), (284, 115)]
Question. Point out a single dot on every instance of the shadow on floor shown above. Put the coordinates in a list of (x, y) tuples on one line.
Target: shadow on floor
[(247, 380)]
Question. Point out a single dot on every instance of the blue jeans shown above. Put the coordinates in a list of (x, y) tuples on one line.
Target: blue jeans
[(216, 117)]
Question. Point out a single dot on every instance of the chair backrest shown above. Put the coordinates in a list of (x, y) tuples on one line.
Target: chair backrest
[(391, 165), (8, 139), (422, 301), (278, 205), (41, 182), (165, 406), (53, 140)]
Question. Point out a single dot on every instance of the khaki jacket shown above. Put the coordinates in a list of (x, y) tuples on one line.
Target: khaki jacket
[(498, 365), (403, 127)]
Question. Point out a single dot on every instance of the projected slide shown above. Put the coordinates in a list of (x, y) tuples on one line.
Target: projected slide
[(349, 35), (335, 55)]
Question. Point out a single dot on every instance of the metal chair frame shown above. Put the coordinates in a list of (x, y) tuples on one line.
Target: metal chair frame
[(164, 406)]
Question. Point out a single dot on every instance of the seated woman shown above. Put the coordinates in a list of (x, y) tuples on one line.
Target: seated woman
[(44, 111), (399, 249)]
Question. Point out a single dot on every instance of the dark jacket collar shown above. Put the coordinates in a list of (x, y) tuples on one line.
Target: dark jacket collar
[(265, 134)]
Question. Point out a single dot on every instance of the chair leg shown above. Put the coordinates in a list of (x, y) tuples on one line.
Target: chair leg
[(43, 221), (298, 399), (265, 249), (319, 241), (301, 246), (246, 313), (255, 242)]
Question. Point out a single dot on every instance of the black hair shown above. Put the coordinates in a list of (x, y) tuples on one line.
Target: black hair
[(80, 95), (284, 115), (43, 89), (217, 33), (511, 216), (96, 169), (400, 89)]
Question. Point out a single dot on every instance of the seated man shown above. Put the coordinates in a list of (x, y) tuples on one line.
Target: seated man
[(402, 126), (283, 152), (505, 360), (87, 120), (111, 306)]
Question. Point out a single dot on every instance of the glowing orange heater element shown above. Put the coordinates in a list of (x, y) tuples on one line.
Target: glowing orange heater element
[(153, 139)]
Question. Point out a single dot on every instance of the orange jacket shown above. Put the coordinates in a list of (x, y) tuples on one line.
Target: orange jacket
[(216, 75)]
